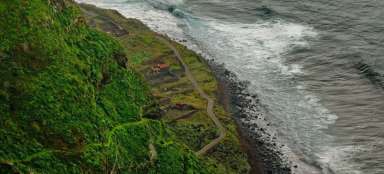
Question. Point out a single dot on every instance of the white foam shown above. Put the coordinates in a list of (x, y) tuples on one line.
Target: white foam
[(256, 43), (249, 50), (168, 2), (337, 159), (158, 20)]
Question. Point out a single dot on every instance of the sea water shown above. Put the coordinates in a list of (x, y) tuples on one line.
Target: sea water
[(316, 67)]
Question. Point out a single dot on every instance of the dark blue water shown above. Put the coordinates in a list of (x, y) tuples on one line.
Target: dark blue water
[(316, 65)]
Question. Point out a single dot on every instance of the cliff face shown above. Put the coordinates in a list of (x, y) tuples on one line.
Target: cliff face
[(70, 104)]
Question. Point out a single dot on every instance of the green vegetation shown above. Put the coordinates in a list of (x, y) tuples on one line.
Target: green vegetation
[(144, 50), (70, 103)]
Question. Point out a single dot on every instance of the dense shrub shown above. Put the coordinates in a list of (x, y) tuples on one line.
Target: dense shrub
[(68, 104)]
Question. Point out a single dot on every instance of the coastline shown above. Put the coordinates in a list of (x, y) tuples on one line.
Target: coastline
[(191, 87), (229, 94), (227, 152), (227, 97), (264, 155)]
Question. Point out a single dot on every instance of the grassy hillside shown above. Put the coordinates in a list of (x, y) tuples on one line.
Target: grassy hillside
[(191, 125), (69, 103)]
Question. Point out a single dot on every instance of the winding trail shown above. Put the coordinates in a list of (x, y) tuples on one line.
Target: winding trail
[(210, 101)]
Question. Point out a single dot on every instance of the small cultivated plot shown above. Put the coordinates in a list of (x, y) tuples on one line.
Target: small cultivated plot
[(183, 110)]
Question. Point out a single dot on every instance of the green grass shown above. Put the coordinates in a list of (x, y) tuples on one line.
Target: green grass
[(70, 104), (198, 130)]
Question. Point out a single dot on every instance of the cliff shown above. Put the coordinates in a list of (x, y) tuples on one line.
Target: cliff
[(73, 101)]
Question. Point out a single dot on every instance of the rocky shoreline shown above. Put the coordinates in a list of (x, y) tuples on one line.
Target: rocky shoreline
[(265, 153)]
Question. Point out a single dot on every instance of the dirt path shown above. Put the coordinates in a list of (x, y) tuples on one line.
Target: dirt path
[(210, 102), (116, 29)]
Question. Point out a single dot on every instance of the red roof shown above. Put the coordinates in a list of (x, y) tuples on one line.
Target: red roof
[(163, 66)]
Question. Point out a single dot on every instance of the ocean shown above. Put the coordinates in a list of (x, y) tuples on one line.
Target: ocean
[(316, 66)]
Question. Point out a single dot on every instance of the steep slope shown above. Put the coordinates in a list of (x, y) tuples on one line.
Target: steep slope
[(184, 109), (69, 103)]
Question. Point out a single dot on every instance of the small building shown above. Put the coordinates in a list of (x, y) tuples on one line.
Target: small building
[(161, 67)]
